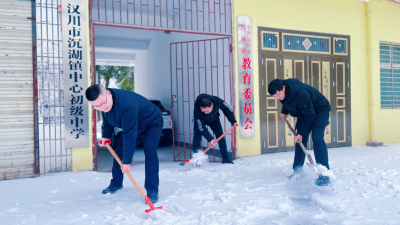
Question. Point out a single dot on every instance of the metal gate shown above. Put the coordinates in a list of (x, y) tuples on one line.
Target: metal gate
[(203, 66), (193, 16), (18, 155)]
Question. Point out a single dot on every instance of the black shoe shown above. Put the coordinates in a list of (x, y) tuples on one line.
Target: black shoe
[(296, 176), (111, 189), (153, 197), (228, 161), (323, 181)]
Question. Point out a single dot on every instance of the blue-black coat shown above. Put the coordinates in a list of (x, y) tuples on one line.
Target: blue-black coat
[(201, 120), (307, 104), (132, 113)]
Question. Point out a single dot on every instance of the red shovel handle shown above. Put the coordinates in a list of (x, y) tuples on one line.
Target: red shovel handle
[(152, 207), (209, 147), (128, 173)]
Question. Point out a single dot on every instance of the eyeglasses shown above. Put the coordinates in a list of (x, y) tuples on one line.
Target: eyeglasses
[(99, 106)]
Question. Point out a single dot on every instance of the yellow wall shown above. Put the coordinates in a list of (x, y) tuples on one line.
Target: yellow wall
[(82, 158), (345, 17), (385, 26)]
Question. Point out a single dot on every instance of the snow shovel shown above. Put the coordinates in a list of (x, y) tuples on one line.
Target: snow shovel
[(311, 164), (146, 198), (209, 147)]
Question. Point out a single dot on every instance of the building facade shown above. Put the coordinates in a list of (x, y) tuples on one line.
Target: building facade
[(347, 49), (354, 43)]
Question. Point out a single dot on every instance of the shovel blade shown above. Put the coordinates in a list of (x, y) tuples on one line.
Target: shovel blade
[(184, 163), (314, 168), (151, 209)]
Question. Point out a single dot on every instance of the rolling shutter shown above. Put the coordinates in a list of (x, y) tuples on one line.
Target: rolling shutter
[(17, 154)]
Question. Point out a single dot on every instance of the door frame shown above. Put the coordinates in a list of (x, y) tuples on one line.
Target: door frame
[(333, 56), (91, 33), (175, 101)]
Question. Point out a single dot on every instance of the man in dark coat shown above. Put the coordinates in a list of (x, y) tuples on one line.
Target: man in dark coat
[(312, 111), (140, 121), (206, 112)]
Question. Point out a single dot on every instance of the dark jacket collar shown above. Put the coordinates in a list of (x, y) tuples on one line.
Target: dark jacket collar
[(287, 93), (295, 86), (113, 98)]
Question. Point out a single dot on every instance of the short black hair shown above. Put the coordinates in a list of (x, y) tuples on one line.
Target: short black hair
[(275, 85), (93, 92), (205, 102)]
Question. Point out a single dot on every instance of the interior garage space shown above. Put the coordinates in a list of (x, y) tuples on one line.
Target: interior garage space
[(170, 68)]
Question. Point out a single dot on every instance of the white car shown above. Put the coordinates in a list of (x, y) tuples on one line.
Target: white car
[(166, 136)]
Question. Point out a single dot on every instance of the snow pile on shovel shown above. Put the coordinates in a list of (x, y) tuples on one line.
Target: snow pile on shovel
[(325, 172), (200, 160)]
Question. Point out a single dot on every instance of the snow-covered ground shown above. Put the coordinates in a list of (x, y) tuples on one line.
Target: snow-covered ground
[(255, 190)]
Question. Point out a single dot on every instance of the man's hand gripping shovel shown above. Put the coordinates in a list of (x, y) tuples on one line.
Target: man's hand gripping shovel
[(209, 147), (311, 164), (146, 198)]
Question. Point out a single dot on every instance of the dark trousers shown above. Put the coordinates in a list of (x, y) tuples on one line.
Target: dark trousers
[(150, 138), (320, 150), (216, 127)]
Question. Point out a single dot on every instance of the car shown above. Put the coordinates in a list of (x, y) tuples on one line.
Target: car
[(166, 135)]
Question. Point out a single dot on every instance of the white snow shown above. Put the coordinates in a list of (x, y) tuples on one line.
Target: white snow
[(199, 160), (365, 189)]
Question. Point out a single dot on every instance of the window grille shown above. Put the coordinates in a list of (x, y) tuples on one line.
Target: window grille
[(53, 156), (390, 75)]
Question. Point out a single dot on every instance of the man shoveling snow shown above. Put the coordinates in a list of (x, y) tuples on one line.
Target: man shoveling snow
[(206, 112), (140, 120), (312, 111)]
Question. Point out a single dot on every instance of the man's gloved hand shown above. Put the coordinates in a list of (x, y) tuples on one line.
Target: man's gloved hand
[(104, 141)]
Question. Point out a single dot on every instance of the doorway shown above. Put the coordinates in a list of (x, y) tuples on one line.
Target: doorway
[(326, 67), (201, 66), (204, 61)]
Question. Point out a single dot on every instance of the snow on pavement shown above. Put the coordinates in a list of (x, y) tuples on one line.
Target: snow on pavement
[(255, 190)]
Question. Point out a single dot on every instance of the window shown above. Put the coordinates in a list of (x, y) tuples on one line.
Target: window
[(390, 75), (270, 41), (340, 46), (306, 43)]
